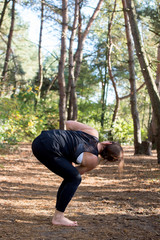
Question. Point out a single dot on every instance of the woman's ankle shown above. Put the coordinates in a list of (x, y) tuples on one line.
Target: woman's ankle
[(58, 214)]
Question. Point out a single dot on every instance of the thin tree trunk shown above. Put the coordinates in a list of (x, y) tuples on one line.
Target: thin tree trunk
[(79, 56), (50, 86), (145, 68), (61, 77), (15, 82), (40, 61), (133, 97), (110, 67), (71, 61), (5, 67), (79, 52), (103, 94), (3, 12), (114, 86)]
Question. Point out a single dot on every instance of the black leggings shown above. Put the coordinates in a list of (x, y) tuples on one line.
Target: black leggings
[(61, 167)]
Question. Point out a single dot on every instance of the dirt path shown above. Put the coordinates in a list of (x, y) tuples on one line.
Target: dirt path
[(105, 207)]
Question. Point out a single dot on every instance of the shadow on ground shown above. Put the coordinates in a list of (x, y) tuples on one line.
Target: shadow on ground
[(105, 206)]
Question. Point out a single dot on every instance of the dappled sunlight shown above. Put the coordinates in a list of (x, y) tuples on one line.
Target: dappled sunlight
[(120, 208)]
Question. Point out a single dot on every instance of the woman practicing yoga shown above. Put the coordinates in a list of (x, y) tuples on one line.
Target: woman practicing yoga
[(78, 144)]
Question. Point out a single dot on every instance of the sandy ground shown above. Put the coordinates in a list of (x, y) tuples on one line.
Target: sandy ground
[(105, 206)]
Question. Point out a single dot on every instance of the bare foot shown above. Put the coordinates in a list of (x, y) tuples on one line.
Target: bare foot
[(60, 220), (64, 222)]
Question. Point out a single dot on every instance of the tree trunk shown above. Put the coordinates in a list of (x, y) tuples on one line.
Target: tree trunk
[(154, 127), (103, 92), (5, 67), (72, 62), (133, 97), (50, 85), (145, 68), (79, 52), (158, 69), (114, 86), (61, 77), (79, 56), (110, 69), (40, 61), (3, 11)]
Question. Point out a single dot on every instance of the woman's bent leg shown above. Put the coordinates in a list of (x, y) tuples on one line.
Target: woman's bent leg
[(72, 179)]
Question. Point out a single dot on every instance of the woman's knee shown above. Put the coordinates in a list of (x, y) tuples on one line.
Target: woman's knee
[(77, 179)]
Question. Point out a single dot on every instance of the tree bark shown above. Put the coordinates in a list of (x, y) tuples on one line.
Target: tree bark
[(79, 52), (145, 68), (79, 56), (114, 86), (3, 12), (110, 69), (133, 97), (72, 62), (5, 67), (158, 69), (104, 84), (61, 77), (154, 127), (50, 85), (40, 61)]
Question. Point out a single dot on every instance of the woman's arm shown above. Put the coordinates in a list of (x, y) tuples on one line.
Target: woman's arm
[(89, 162), (77, 126)]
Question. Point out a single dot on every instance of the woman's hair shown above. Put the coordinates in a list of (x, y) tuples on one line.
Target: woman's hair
[(112, 153)]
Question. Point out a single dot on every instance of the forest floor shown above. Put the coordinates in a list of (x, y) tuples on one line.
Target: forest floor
[(105, 206)]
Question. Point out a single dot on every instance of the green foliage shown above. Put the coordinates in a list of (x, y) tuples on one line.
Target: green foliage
[(87, 85), (22, 117), (88, 111), (20, 122), (123, 131), (23, 62)]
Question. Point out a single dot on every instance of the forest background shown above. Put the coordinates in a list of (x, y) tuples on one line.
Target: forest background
[(94, 73)]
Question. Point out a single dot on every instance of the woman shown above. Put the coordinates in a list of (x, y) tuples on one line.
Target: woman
[(58, 149)]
